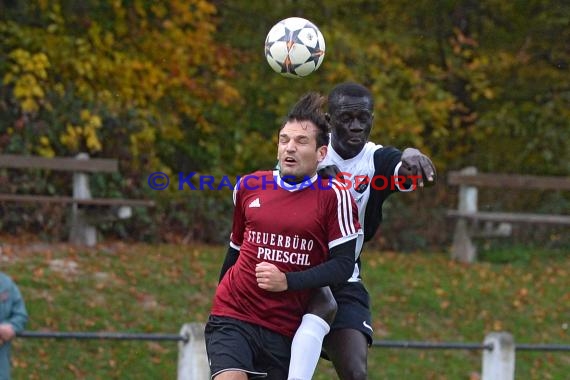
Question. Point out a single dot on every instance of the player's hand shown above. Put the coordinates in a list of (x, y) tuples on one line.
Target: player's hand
[(419, 166), (329, 171), (270, 278)]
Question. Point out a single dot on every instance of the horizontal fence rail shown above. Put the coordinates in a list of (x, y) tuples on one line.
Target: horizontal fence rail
[(421, 345), (431, 345), (102, 336), (465, 346), (498, 348), (542, 347)]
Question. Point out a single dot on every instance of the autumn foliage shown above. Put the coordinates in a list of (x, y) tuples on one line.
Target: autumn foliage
[(182, 85)]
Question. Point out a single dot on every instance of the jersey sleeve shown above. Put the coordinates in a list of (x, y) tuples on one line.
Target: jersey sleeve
[(342, 216), (332, 272), (238, 222), (385, 161)]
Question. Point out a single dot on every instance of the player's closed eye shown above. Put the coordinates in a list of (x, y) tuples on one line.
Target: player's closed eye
[(363, 118)]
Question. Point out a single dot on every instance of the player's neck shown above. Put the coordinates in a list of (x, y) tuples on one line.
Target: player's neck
[(292, 180), (345, 154)]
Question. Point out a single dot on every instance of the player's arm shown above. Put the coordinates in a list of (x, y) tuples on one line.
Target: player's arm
[(332, 272), (231, 258), (388, 173), (238, 227), (336, 270), (340, 215)]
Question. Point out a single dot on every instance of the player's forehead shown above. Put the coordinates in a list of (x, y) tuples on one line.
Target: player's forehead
[(296, 129), (351, 104)]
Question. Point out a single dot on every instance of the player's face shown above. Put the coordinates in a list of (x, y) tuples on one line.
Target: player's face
[(297, 150), (351, 121)]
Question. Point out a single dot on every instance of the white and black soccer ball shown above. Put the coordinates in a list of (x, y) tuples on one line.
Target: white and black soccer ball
[(294, 47)]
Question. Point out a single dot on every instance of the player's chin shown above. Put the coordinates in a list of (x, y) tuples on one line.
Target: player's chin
[(288, 172), (356, 143)]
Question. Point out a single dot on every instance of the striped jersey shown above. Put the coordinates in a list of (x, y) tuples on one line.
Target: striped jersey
[(379, 166), (290, 226)]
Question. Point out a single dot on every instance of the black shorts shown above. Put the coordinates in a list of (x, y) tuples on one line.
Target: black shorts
[(232, 344), (353, 308)]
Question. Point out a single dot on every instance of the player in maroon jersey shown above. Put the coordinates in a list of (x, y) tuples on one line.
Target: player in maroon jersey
[(292, 232)]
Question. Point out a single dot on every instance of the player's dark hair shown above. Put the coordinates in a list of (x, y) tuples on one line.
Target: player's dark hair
[(348, 89), (310, 108)]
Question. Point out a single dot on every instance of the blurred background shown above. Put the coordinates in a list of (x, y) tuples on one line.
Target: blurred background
[(183, 86)]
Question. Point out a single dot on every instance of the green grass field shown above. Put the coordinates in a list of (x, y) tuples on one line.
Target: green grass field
[(156, 289)]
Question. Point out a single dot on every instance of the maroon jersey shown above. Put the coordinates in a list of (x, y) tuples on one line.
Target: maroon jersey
[(290, 226)]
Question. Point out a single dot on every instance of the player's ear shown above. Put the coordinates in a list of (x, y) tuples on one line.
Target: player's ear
[(322, 152)]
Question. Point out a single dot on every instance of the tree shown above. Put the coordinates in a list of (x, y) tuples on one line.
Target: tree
[(126, 78)]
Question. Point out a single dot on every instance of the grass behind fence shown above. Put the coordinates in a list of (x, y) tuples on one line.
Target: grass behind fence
[(155, 289)]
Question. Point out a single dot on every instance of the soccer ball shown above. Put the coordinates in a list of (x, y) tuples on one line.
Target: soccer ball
[(294, 47)]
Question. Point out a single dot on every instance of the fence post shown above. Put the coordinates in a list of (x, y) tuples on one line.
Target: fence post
[(499, 363), (463, 248), (192, 357), (82, 232)]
